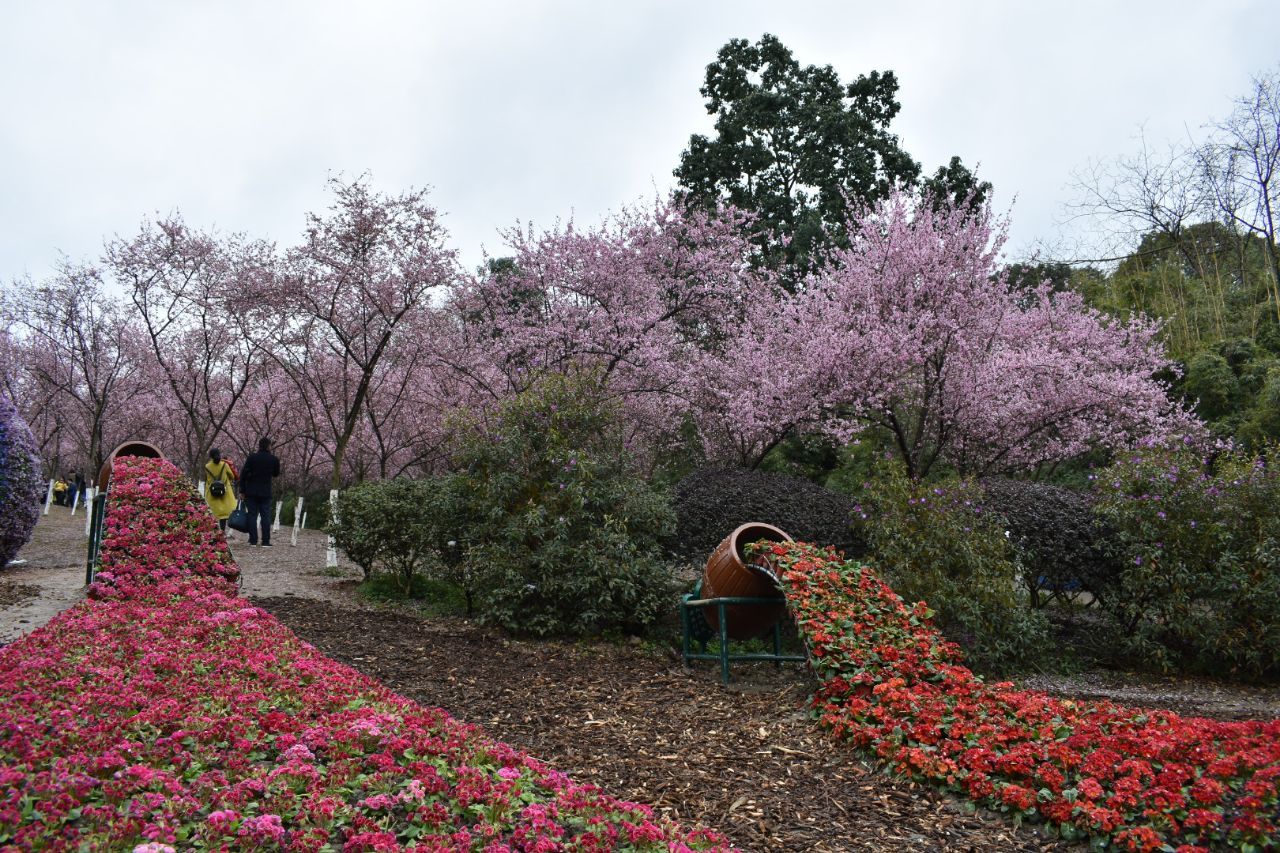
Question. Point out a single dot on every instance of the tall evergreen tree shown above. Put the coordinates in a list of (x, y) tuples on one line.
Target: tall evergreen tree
[(796, 147)]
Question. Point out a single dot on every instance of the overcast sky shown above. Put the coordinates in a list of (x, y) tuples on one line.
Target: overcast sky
[(235, 113)]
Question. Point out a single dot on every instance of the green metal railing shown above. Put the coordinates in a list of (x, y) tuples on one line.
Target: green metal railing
[(696, 628), (97, 512)]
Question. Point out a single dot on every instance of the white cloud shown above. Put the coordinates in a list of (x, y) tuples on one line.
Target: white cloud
[(236, 112)]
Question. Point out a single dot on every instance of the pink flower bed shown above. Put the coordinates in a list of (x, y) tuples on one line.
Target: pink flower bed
[(1141, 779), (169, 714)]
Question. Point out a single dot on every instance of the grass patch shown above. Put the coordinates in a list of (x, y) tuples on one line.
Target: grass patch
[(334, 572), (433, 597), (791, 643)]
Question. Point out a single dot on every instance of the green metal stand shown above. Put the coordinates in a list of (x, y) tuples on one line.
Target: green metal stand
[(97, 512), (696, 628)]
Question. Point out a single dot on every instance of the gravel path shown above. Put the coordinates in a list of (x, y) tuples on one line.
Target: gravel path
[(287, 570), (48, 575)]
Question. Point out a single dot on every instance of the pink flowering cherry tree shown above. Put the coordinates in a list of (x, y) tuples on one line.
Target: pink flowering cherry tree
[(203, 340), (914, 329), (633, 301), (349, 296), (80, 351), (778, 373)]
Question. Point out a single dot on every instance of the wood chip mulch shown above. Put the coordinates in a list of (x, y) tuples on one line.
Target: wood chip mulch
[(745, 760)]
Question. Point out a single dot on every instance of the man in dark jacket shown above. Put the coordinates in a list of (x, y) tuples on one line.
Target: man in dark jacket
[(255, 488)]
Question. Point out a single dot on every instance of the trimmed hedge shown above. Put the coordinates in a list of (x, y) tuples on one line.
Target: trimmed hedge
[(1060, 540), (710, 503)]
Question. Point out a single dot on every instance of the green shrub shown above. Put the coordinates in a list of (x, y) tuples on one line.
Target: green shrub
[(1199, 545), (709, 504), (937, 544), (315, 507), (289, 503), (434, 597), (406, 529), (563, 536)]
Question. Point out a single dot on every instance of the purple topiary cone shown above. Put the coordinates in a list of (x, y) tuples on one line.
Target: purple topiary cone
[(20, 483)]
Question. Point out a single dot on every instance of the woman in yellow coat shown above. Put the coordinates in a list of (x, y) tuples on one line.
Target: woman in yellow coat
[(218, 471)]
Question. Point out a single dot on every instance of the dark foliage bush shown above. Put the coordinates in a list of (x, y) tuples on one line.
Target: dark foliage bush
[(710, 503), (562, 534), (1061, 542), (20, 483)]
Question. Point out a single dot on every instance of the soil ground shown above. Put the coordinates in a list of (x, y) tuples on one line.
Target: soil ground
[(744, 759)]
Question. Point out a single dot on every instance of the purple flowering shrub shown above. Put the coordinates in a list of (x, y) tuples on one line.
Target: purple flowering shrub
[(1198, 541), (167, 713), (936, 542), (20, 482)]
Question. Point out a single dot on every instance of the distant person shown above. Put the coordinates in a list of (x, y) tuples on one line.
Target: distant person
[(60, 490), (219, 487), (255, 486), (78, 488)]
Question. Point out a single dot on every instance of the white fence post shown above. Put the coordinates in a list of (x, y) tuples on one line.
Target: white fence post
[(48, 498), (331, 556), (75, 501), (299, 520), (200, 489), (88, 508), (276, 524)]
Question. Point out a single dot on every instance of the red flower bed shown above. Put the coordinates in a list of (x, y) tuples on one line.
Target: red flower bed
[(169, 714), (1142, 779), (159, 539)]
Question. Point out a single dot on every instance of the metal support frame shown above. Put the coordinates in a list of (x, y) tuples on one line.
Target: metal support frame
[(690, 605), (96, 515)]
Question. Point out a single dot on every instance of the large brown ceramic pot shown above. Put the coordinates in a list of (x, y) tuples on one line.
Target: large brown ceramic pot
[(129, 448), (728, 575)]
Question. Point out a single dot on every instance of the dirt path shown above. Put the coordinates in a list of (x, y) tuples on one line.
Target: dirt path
[(745, 759)]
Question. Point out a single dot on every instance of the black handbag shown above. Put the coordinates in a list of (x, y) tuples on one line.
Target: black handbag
[(239, 519)]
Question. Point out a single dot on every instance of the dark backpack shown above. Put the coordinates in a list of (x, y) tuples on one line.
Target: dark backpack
[(218, 488)]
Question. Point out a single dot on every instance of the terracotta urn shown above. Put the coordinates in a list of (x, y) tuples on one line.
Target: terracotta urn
[(729, 575)]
